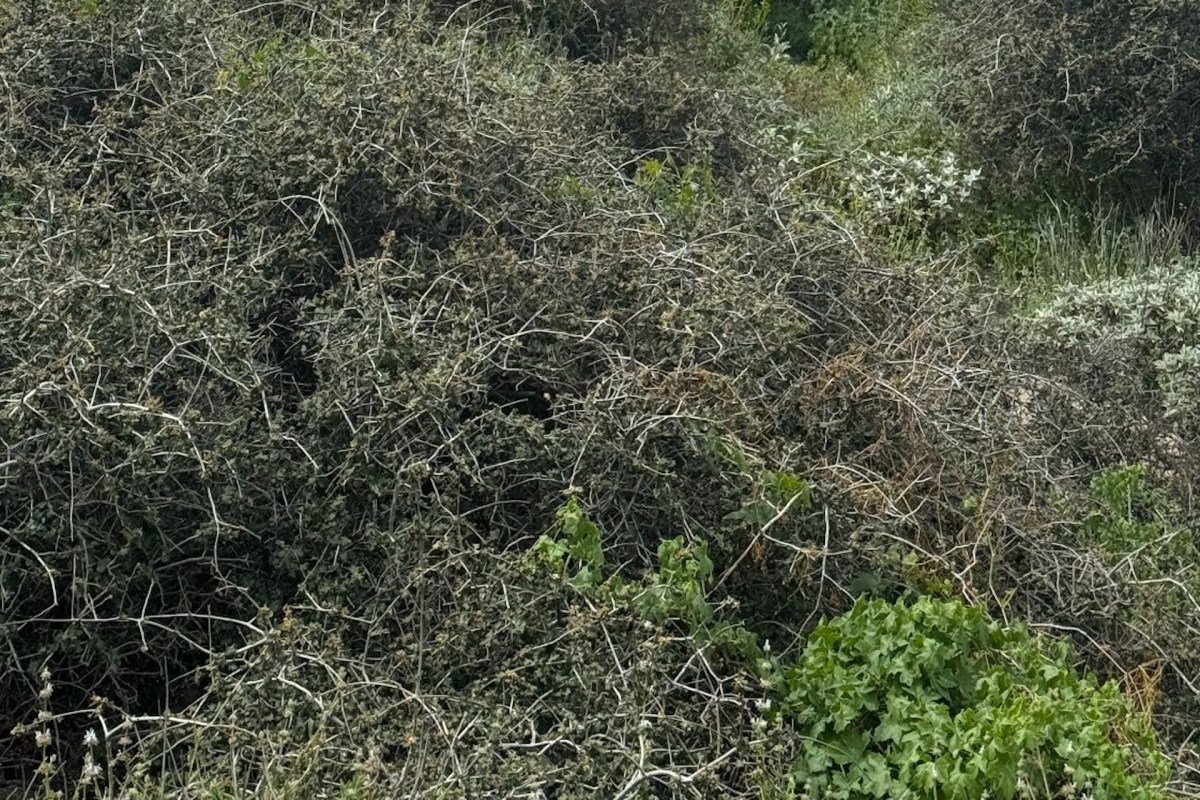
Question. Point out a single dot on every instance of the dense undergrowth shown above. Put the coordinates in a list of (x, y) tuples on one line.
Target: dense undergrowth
[(559, 399)]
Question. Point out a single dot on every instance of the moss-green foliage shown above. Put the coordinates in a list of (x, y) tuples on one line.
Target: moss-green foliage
[(860, 32), (748, 15), (771, 493), (871, 134), (855, 33), (931, 699), (1138, 531), (681, 189)]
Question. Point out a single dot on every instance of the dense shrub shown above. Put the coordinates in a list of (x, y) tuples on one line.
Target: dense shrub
[(1069, 93), (790, 21), (860, 32), (294, 303), (310, 318), (596, 30)]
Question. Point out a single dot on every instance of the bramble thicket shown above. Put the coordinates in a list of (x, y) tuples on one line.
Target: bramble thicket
[(560, 399)]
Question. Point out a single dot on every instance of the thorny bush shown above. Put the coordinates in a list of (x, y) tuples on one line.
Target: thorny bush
[(1060, 92), (309, 318)]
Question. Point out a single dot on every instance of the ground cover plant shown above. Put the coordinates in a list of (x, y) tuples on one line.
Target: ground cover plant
[(473, 400), (931, 699)]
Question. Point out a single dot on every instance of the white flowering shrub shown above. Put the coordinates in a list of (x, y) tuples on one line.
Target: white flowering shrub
[(1179, 380), (1158, 310), (1153, 318), (918, 191)]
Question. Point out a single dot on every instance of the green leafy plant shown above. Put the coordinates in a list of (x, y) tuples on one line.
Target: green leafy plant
[(932, 699), (677, 590), (859, 32), (1125, 510), (575, 190), (772, 492), (1137, 530), (577, 544), (680, 188)]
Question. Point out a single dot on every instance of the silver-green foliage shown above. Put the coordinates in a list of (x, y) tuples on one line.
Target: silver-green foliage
[(1153, 317), (915, 190)]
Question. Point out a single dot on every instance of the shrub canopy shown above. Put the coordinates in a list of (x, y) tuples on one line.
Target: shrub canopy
[(313, 318), (1101, 92)]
